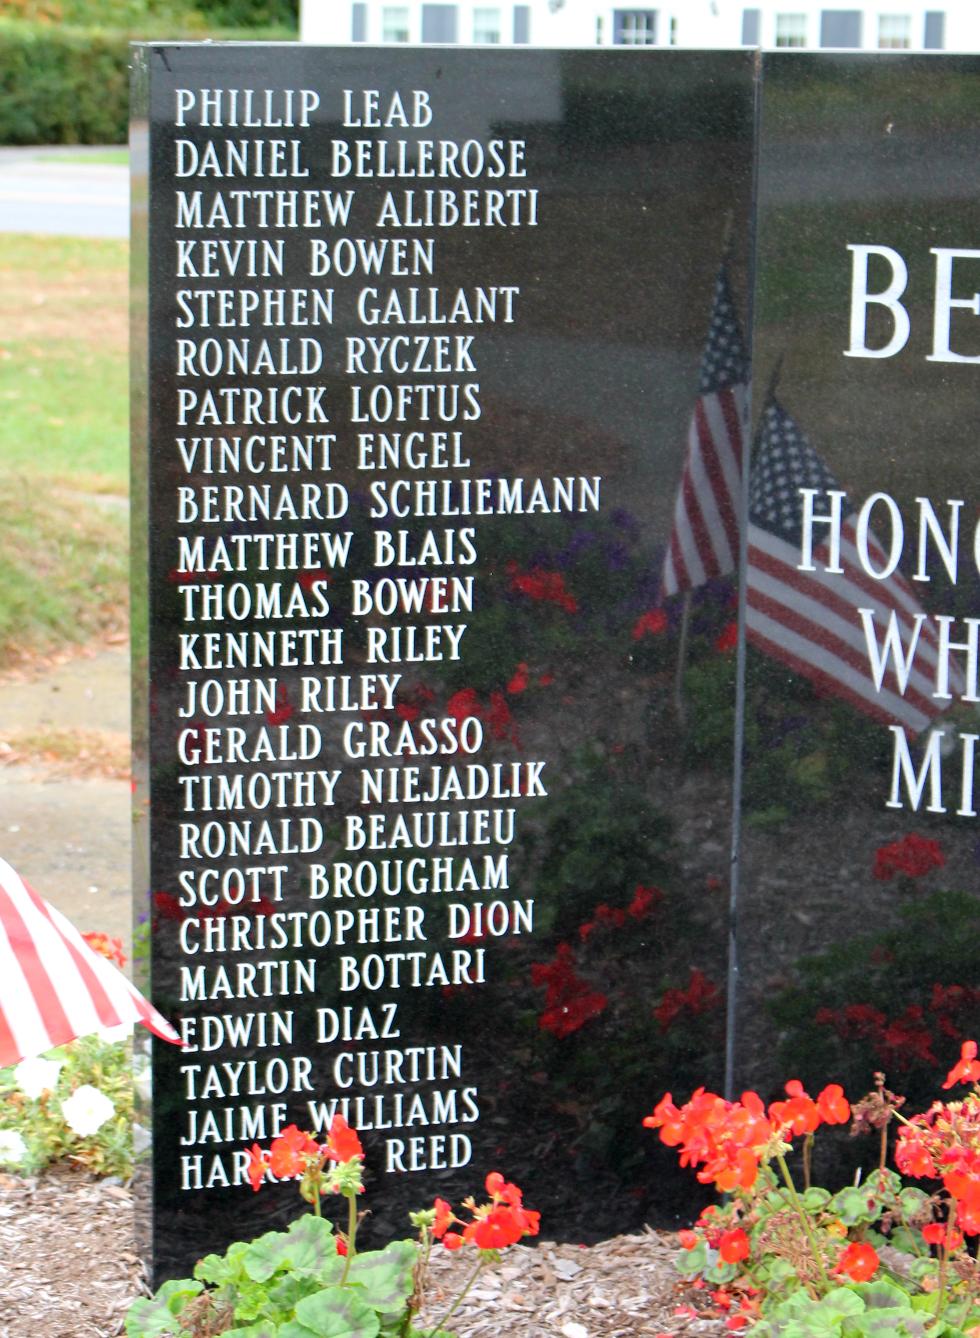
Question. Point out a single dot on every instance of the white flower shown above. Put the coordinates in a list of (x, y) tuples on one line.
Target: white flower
[(86, 1110), (112, 1035), (13, 1149), (34, 1076)]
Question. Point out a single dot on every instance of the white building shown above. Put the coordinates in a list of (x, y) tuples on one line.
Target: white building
[(889, 25)]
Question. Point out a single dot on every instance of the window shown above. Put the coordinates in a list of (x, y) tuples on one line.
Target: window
[(841, 28), (635, 27), (894, 32), (486, 25), (791, 30), (394, 23)]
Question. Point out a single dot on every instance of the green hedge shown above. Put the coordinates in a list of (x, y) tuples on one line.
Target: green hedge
[(62, 85)]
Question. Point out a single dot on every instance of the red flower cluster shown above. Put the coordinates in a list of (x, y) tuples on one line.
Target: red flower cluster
[(294, 1155), (518, 680), (898, 1042), (498, 716), (727, 639), (283, 709), (312, 577), (547, 587), (651, 623), (645, 900), (109, 948), (729, 1139), (494, 1225), (913, 856), (570, 1001), (701, 996), (944, 1143)]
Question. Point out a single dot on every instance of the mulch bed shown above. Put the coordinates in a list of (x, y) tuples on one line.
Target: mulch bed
[(69, 1269)]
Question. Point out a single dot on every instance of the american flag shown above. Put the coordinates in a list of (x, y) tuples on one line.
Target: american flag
[(53, 986), (810, 620), (704, 537)]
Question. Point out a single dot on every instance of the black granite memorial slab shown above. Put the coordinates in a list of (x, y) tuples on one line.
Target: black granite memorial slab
[(437, 431), (859, 922)]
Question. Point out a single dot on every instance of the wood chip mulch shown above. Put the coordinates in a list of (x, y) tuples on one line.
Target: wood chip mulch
[(69, 1269)]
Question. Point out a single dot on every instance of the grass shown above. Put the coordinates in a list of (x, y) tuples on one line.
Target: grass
[(63, 441), (101, 157), (75, 752), (64, 359)]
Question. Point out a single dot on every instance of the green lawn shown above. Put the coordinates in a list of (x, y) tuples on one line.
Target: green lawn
[(63, 441), (110, 157)]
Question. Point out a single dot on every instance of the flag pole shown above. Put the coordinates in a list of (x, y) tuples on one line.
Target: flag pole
[(731, 998), (680, 706)]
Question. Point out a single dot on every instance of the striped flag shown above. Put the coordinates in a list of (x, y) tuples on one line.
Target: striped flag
[(53, 986), (704, 537), (811, 620)]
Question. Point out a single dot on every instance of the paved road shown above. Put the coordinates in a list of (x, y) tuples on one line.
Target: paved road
[(41, 193)]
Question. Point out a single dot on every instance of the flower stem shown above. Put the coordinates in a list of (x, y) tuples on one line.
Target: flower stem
[(804, 1217), (351, 1233), (807, 1149), (943, 1297), (459, 1299)]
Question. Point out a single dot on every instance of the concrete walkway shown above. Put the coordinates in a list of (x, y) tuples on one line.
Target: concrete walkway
[(60, 191), (69, 837)]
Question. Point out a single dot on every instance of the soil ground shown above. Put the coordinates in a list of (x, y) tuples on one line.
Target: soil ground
[(69, 1269)]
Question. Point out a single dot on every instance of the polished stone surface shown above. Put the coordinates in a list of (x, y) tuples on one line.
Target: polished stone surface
[(858, 924), (533, 1035)]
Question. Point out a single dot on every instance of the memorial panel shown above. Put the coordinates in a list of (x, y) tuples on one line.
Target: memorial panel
[(859, 922), (441, 425)]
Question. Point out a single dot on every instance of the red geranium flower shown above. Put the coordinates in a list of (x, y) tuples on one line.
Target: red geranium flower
[(967, 1069), (257, 1166), (833, 1105), (343, 1143), (733, 1246), (859, 1261), (444, 1219), (289, 1152), (651, 623)]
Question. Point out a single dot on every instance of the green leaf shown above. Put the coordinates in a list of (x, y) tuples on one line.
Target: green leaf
[(387, 1275), (220, 1269), (284, 1292), (155, 1317), (913, 1202), (843, 1301), (856, 1204), (307, 1246), (816, 1197), (264, 1330), (883, 1293), (691, 1262), (337, 1313)]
